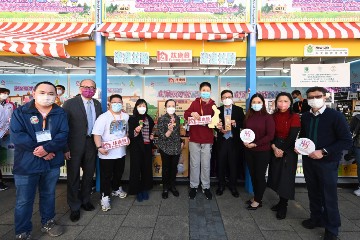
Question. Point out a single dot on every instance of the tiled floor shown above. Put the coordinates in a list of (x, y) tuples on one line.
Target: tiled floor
[(223, 217)]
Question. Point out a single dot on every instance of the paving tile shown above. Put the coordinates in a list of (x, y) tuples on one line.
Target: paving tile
[(102, 227), (5, 229), (349, 226), (349, 210), (349, 235), (283, 235), (174, 207), (85, 217), (70, 233), (171, 227), (141, 216), (134, 233)]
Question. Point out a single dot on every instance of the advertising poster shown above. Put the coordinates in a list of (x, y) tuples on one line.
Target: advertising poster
[(325, 75), (309, 11), (21, 86), (160, 88), (47, 11), (223, 11)]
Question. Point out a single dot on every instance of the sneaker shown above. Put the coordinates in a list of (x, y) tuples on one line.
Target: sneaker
[(119, 193), (145, 195), (26, 236), (357, 192), (3, 187), (207, 193), (311, 224), (52, 228), (139, 197), (105, 203), (192, 193)]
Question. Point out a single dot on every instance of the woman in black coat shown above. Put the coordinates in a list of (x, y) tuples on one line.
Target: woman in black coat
[(141, 136)]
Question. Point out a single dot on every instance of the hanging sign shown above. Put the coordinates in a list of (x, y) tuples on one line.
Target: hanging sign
[(218, 58), (324, 50), (128, 57), (324, 75), (177, 56), (115, 143), (177, 80)]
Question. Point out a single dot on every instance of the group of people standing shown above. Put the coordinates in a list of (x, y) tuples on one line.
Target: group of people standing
[(44, 134)]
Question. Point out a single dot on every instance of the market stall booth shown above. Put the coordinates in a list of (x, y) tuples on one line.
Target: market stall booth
[(322, 41)]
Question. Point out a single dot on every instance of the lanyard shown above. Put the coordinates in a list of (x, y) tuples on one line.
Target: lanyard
[(44, 115), (201, 109)]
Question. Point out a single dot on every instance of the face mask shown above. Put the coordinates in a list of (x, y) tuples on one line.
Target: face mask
[(256, 107), (283, 106), (170, 110), (87, 93), (141, 110), (59, 92), (227, 101), (316, 103), (116, 107), (205, 95), (44, 100), (296, 100), (3, 96)]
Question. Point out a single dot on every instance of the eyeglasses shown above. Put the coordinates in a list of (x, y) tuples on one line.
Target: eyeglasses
[(86, 87), (317, 97)]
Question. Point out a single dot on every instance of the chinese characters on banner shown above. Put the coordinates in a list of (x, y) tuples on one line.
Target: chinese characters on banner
[(174, 56), (128, 57), (218, 58)]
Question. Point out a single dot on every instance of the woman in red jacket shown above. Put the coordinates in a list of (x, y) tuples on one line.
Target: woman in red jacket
[(258, 152), (283, 164)]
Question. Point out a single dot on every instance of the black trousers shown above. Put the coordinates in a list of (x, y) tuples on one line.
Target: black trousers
[(227, 162), (257, 162), (321, 182), (141, 177), (111, 171), (169, 169), (87, 161)]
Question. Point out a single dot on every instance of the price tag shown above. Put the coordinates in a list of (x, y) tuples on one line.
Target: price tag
[(304, 146), (247, 135)]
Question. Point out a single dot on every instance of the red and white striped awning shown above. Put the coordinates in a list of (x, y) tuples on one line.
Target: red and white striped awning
[(41, 39), (315, 30), (186, 31)]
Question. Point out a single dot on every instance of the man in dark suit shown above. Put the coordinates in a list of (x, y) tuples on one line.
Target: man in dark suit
[(300, 104), (229, 143), (82, 112)]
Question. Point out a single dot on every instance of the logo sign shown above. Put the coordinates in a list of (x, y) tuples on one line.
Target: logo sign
[(174, 56), (324, 50), (247, 135), (325, 75), (304, 146), (202, 121), (218, 58), (128, 57), (177, 80), (115, 143)]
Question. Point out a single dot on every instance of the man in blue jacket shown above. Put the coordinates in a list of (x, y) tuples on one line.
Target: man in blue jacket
[(330, 132), (39, 131)]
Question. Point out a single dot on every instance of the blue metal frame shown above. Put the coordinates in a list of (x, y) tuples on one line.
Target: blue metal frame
[(100, 74)]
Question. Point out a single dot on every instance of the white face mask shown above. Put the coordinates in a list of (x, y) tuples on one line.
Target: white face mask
[(227, 101), (59, 92), (141, 110), (44, 100), (316, 103), (3, 96), (170, 110)]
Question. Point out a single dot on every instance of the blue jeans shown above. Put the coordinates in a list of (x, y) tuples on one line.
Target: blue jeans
[(357, 157), (25, 195)]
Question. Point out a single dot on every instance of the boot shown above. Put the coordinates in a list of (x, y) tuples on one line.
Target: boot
[(281, 213)]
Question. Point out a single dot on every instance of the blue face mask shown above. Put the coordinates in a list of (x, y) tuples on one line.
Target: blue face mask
[(256, 107), (116, 107), (205, 95), (296, 100)]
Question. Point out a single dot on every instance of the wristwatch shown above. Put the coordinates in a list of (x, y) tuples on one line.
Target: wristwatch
[(324, 152)]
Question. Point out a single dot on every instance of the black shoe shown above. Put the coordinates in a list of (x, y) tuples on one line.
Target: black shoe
[(234, 192), (275, 208), (329, 236), (248, 202), (207, 193), (254, 208), (192, 193), (220, 191), (310, 224), (75, 216), (165, 194), (174, 191), (281, 213), (88, 206)]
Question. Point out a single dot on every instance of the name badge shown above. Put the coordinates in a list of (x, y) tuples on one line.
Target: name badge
[(43, 136)]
